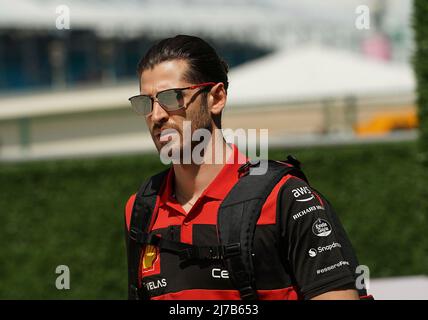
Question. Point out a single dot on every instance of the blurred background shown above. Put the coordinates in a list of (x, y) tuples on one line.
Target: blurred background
[(334, 87)]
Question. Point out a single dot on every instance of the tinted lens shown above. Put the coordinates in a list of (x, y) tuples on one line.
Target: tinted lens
[(141, 104), (171, 99)]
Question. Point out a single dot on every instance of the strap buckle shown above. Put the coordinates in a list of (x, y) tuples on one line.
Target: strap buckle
[(143, 237), (137, 235), (246, 166), (231, 250)]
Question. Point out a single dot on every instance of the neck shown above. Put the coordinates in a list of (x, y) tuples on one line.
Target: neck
[(192, 179)]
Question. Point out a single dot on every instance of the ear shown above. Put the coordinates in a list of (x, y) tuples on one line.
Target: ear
[(217, 99)]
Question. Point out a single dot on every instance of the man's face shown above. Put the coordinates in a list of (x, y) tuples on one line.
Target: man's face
[(168, 75)]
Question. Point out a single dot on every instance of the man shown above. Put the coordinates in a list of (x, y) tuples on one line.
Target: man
[(300, 249)]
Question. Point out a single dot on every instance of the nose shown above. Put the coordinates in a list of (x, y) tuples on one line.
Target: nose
[(159, 115)]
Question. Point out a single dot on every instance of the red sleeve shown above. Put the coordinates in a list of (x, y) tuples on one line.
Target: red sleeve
[(128, 210)]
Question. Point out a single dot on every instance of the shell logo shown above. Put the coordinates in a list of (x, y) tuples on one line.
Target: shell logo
[(150, 261), (149, 257)]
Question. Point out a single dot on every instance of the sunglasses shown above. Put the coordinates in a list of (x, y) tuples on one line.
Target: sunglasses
[(169, 100)]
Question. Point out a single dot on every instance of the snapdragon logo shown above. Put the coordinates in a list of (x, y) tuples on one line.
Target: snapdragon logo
[(329, 247), (314, 252), (196, 147)]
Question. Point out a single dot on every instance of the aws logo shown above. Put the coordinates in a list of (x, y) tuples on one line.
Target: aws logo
[(302, 194), (150, 261)]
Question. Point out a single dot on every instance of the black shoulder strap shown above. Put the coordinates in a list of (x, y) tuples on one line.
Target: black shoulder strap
[(237, 219), (142, 212)]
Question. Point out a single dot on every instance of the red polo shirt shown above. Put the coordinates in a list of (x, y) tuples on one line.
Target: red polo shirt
[(283, 268), (204, 211)]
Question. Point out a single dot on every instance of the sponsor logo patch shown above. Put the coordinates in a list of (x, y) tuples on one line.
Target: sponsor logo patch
[(313, 252), (302, 194), (219, 273), (150, 261), (333, 266), (321, 228), (306, 211), (153, 285)]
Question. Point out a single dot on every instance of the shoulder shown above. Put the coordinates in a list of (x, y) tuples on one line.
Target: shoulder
[(297, 189), (296, 196)]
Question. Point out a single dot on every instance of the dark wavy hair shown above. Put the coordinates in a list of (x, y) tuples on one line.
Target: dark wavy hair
[(205, 65)]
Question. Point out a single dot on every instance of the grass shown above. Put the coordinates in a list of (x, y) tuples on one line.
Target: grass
[(70, 212)]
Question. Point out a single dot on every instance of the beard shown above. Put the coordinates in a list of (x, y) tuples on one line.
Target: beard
[(178, 144), (201, 120)]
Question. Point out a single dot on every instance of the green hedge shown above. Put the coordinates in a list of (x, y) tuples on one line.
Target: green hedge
[(71, 212), (420, 64)]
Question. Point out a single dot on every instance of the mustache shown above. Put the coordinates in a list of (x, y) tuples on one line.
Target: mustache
[(157, 128)]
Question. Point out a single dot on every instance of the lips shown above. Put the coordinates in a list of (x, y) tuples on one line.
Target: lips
[(157, 132), (166, 134)]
